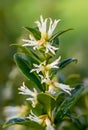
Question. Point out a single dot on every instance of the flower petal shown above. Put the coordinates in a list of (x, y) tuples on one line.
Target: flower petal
[(64, 87), (52, 27), (51, 48)]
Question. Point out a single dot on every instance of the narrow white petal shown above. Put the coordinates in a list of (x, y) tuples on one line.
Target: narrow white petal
[(29, 43), (64, 87), (52, 27), (39, 25), (24, 90), (51, 48), (32, 95), (39, 67), (33, 117), (55, 63), (42, 25)]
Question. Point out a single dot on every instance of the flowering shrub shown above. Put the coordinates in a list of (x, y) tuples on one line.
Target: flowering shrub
[(49, 100)]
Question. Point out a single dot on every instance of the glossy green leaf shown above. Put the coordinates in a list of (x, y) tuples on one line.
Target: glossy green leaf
[(55, 42), (47, 101), (24, 121), (63, 64), (27, 51), (59, 33), (60, 98), (38, 109), (25, 63), (36, 33), (68, 103)]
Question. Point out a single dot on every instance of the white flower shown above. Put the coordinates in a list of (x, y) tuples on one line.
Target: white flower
[(33, 95), (52, 27), (64, 87), (43, 119), (42, 25), (53, 85), (39, 119), (43, 67), (45, 79), (32, 43), (50, 48), (39, 67), (46, 34), (33, 117), (54, 64)]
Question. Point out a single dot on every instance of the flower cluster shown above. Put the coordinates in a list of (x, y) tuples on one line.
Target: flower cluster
[(32, 95), (44, 41), (44, 68)]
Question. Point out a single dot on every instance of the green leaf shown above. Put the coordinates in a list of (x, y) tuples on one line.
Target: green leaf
[(63, 64), (25, 63), (68, 103), (35, 32), (59, 33), (47, 101), (55, 41), (24, 121), (60, 98), (38, 109), (27, 51)]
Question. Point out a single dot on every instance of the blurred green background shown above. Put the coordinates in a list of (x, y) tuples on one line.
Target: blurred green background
[(14, 15)]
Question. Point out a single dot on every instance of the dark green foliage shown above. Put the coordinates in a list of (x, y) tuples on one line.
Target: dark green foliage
[(47, 101), (35, 32), (68, 103), (24, 62), (24, 121), (63, 64)]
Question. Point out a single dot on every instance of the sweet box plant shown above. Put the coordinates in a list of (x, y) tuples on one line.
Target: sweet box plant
[(49, 100)]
